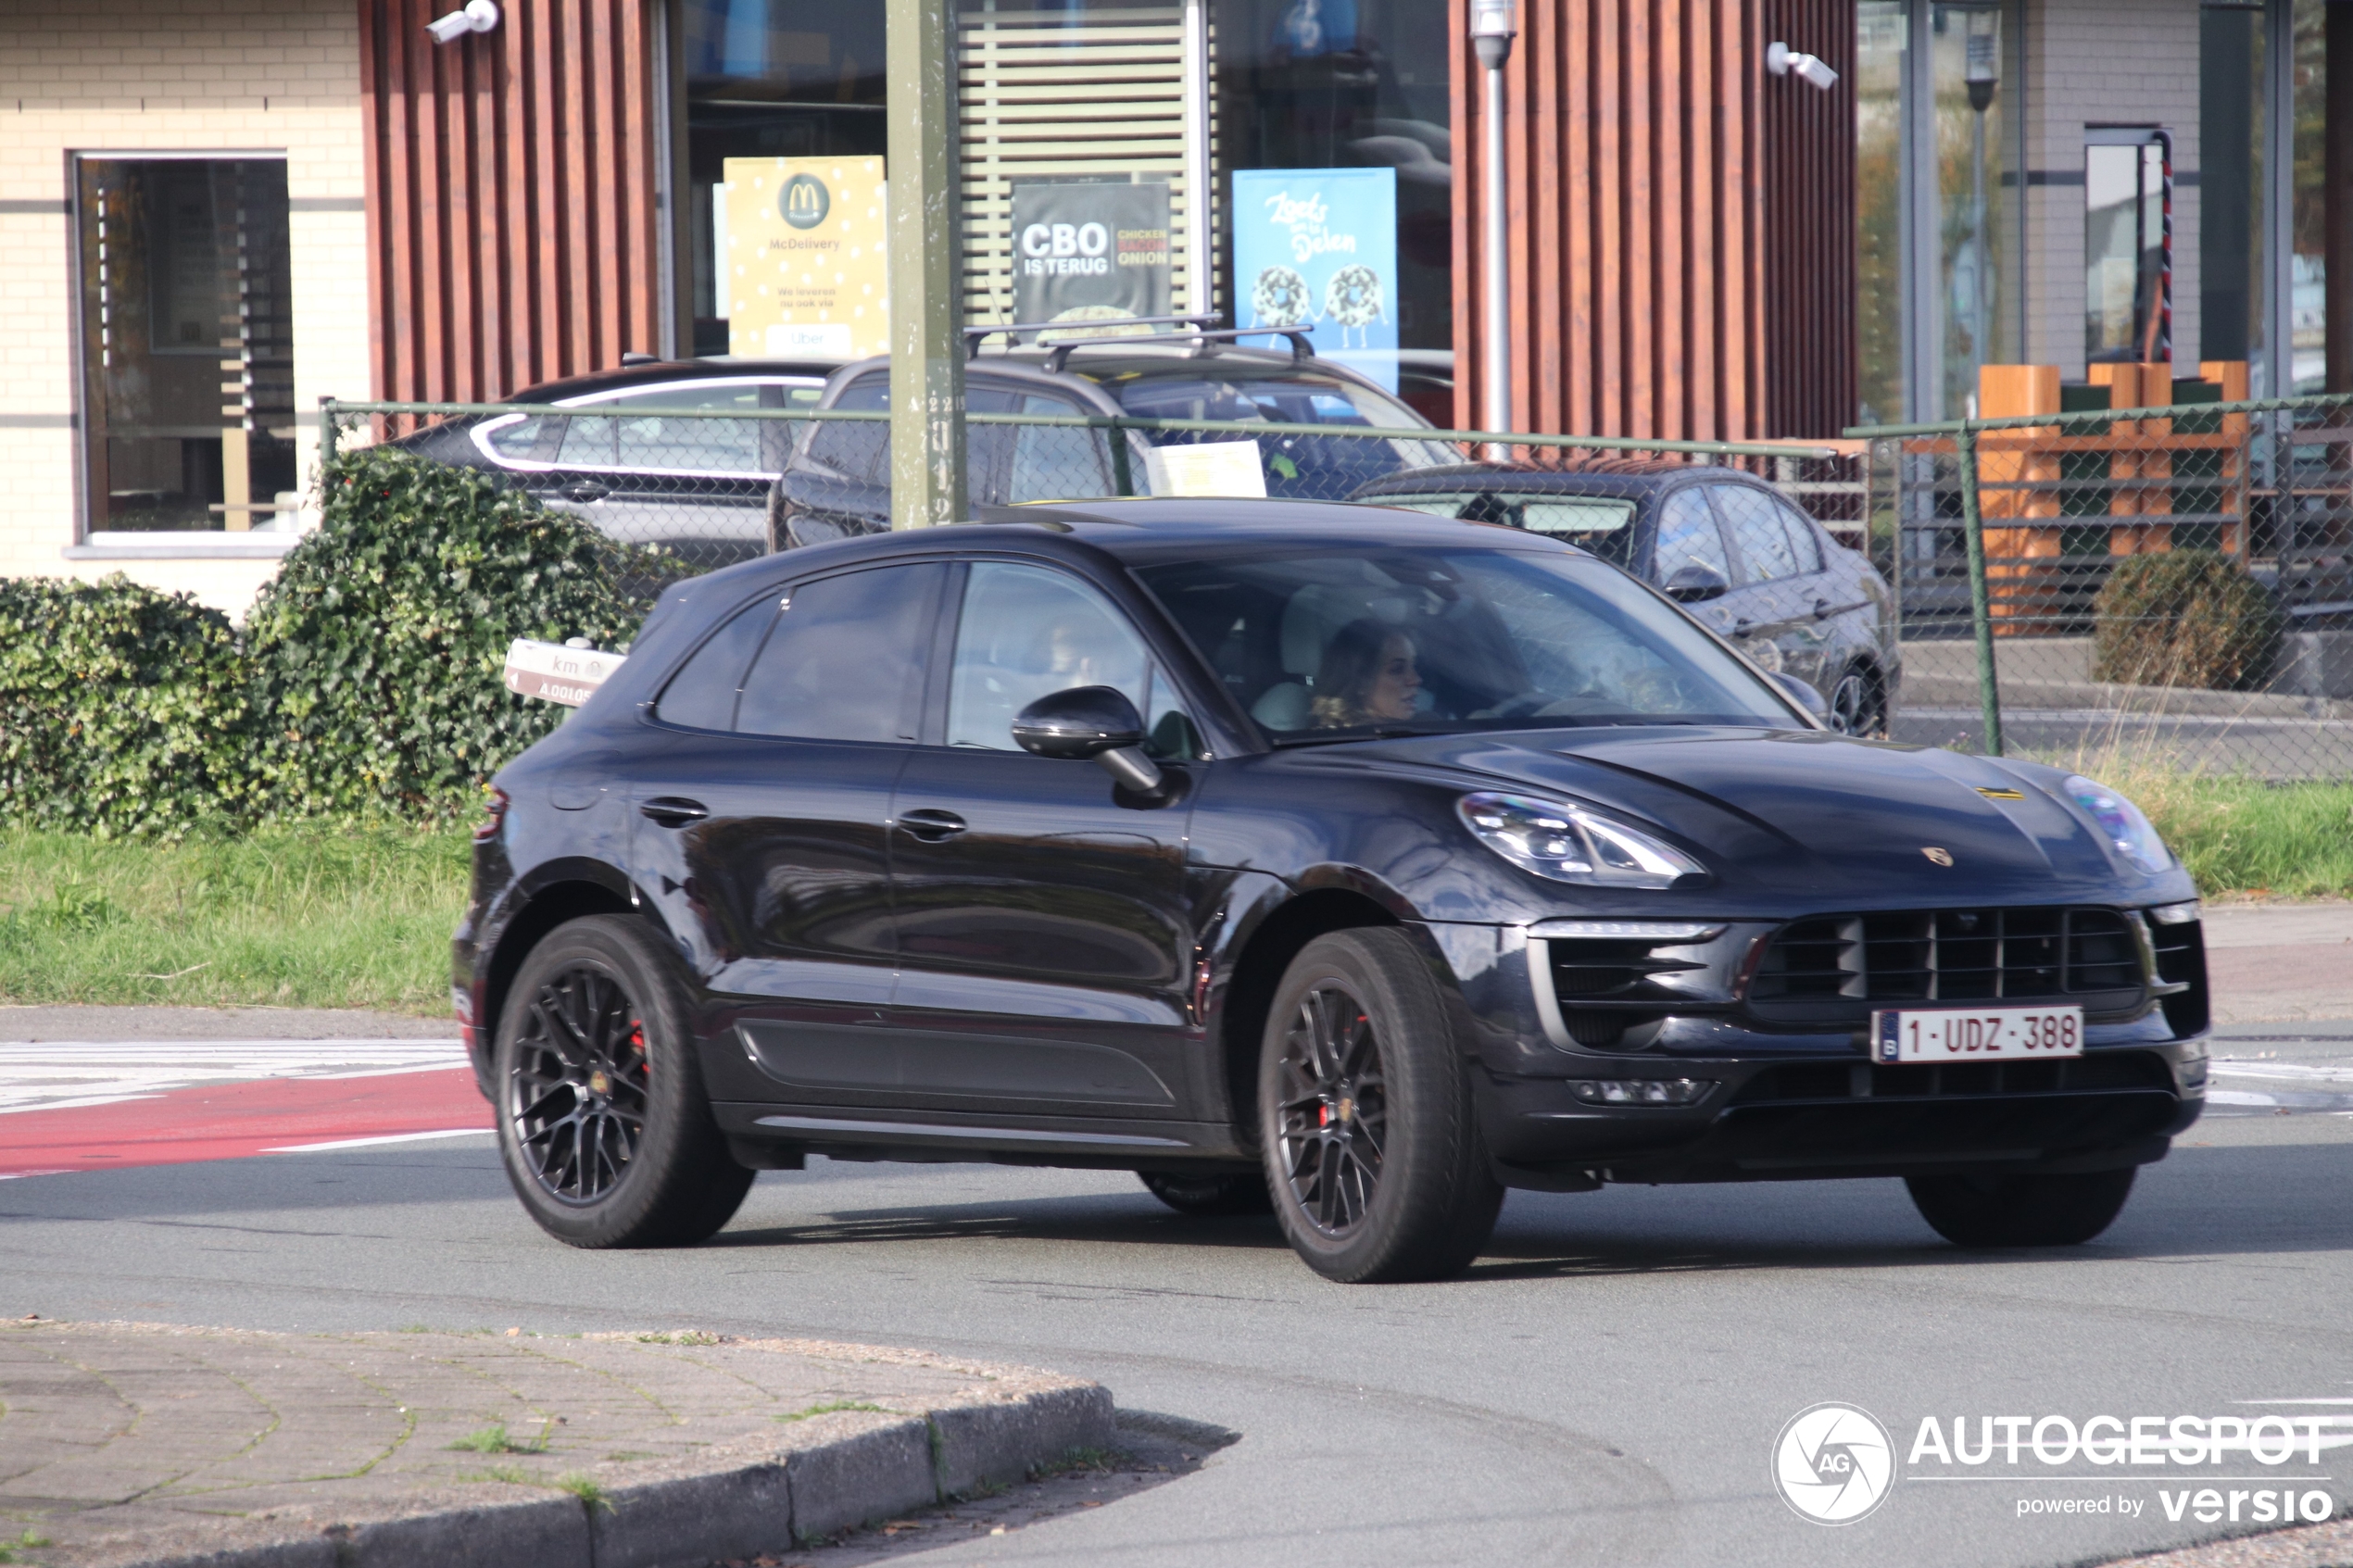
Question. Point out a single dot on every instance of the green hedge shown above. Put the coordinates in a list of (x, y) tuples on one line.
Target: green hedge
[(2185, 618), (365, 685), (377, 649), (122, 710)]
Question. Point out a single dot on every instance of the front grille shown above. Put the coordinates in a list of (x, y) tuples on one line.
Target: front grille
[(1839, 1080), (1835, 966)]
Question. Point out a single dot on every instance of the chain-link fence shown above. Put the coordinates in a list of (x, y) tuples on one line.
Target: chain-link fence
[(2166, 587), (708, 476)]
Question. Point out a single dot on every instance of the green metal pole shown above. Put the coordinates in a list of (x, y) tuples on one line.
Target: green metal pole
[(327, 431), (1989, 692), (925, 255)]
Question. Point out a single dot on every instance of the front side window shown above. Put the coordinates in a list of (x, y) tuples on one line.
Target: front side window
[(1056, 463), (1340, 644), (1029, 632), (187, 345)]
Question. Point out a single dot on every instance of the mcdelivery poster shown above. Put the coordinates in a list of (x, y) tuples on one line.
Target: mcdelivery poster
[(1318, 248)]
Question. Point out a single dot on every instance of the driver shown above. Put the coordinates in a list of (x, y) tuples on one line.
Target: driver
[(1367, 676)]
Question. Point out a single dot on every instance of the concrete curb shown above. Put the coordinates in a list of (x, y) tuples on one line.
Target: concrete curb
[(739, 1499)]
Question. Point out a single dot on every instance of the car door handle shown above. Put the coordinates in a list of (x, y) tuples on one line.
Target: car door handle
[(587, 490), (932, 827), (1824, 609), (1743, 626), (672, 812)]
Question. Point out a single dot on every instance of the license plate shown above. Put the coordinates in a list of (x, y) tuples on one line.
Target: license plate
[(1986, 1034)]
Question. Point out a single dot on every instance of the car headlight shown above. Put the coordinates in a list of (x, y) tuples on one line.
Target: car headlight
[(2127, 832), (1570, 843)]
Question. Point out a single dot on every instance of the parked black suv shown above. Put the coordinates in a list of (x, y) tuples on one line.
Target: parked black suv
[(1360, 861)]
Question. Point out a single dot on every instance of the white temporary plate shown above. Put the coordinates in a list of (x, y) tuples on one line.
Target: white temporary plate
[(1993, 1032)]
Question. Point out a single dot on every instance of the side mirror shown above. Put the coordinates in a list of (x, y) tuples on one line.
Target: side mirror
[(1693, 583), (1090, 723), (1807, 696)]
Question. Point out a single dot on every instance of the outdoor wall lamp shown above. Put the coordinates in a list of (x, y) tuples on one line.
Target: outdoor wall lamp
[(1780, 59), (480, 16), (1492, 29)]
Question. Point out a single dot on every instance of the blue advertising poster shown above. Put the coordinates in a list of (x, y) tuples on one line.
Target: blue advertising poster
[(1317, 247)]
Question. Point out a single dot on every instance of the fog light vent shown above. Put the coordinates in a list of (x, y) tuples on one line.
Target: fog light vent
[(1640, 1091)]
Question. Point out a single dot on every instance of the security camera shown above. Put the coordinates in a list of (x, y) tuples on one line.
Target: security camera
[(479, 16), (1780, 59)]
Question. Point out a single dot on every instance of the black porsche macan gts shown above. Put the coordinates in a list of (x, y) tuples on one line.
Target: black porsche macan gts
[(1355, 861)]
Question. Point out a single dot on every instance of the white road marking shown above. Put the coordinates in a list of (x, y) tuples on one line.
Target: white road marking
[(63, 1075), (370, 1143)]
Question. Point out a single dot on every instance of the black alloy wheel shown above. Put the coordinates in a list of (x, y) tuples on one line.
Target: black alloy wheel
[(1333, 1118), (1370, 1137), (1241, 1192), (577, 1092), (1859, 704), (603, 1124), (2021, 1211)]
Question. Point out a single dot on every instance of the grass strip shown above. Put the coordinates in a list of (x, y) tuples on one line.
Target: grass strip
[(299, 916)]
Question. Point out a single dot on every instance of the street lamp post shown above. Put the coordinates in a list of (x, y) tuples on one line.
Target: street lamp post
[(1492, 30), (1981, 73)]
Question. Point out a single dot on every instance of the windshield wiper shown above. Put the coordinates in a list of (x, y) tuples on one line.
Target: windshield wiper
[(1336, 737)]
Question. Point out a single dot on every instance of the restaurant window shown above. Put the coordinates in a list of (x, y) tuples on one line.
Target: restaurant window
[(187, 345), (1335, 84), (769, 79), (2128, 245)]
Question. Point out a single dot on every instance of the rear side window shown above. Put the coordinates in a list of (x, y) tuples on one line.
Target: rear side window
[(844, 659), (703, 695), (857, 448), (1801, 538)]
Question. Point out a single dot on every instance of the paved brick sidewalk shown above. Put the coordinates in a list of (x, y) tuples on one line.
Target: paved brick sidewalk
[(124, 1443)]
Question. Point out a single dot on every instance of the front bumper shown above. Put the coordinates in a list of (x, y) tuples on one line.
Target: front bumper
[(1789, 1092)]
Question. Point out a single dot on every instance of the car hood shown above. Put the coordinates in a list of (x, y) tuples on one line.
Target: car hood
[(1813, 813)]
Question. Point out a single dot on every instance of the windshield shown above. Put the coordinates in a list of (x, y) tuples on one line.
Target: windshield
[(1327, 468), (1341, 643), (1602, 524)]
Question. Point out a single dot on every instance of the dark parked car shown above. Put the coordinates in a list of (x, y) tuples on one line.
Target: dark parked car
[(1365, 862), (1754, 565), (839, 480), (697, 486)]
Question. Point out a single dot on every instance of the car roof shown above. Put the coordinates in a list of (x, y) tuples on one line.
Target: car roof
[(1598, 474), (1141, 357), (659, 372), (1153, 531)]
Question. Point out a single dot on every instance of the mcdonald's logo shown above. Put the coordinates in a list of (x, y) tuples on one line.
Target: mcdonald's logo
[(805, 201)]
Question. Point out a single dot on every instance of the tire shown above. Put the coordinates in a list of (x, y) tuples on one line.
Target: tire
[(1373, 1158), (2021, 1211), (603, 1125), (1231, 1193), (1858, 703)]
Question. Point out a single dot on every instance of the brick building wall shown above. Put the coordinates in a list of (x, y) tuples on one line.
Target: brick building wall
[(134, 76)]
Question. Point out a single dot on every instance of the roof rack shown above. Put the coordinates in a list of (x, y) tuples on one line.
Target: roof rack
[(975, 336), (1203, 335)]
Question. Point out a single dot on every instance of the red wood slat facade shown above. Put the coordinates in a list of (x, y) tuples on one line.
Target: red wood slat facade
[(1808, 251), (511, 225), (1681, 246)]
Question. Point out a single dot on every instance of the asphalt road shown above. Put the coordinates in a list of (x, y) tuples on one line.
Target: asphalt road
[(1604, 1387)]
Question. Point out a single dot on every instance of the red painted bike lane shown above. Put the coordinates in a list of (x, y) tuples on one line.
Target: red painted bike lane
[(234, 1120)]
